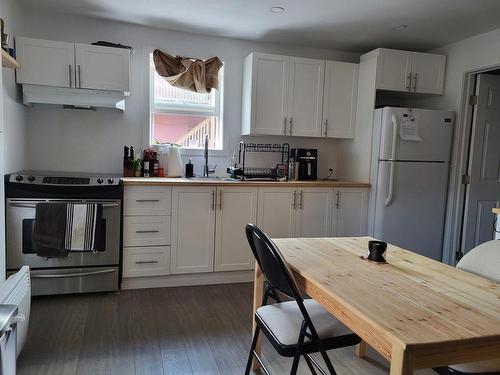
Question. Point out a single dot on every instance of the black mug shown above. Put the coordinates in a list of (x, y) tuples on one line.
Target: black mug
[(377, 250)]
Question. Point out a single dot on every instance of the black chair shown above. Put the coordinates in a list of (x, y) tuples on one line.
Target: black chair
[(297, 327)]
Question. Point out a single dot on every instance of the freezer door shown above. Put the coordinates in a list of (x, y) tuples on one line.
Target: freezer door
[(410, 206), (416, 134)]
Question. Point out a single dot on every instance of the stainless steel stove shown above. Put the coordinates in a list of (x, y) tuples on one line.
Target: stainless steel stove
[(80, 271)]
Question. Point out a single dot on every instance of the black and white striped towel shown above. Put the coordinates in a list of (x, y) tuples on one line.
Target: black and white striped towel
[(83, 222)]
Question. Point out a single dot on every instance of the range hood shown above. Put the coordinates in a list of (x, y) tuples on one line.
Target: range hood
[(74, 98)]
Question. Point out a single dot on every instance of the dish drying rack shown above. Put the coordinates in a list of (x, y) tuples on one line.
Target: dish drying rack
[(246, 172)]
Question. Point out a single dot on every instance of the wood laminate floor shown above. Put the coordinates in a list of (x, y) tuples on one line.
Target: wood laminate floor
[(186, 330)]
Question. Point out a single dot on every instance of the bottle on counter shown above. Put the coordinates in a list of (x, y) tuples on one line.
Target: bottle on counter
[(189, 169)]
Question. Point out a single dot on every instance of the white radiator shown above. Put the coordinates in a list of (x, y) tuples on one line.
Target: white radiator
[(16, 290)]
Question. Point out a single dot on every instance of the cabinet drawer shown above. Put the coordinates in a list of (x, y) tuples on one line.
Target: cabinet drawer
[(139, 201), (146, 230), (146, 261)]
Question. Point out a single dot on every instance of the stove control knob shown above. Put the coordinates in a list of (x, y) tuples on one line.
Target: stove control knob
[(111, 180), (100, 181), (31, 178), (19, 178)]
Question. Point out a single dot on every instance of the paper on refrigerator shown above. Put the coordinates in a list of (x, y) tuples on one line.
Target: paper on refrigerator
[(408, 131)]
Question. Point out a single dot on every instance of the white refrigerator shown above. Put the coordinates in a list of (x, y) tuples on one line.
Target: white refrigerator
[(409, 176)]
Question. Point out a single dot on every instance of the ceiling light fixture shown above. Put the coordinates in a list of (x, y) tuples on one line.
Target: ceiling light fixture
[(399, 27), (277, 10)]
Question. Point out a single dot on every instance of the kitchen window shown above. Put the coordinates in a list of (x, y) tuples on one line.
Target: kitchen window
[(184, 117)]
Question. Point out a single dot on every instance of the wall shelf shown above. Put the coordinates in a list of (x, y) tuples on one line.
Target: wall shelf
[(8, 61)]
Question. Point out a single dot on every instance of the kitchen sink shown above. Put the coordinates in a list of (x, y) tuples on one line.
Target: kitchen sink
[(211, 178)]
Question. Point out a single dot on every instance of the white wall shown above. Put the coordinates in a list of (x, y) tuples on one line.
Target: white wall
[(93, 141), (469, 55)]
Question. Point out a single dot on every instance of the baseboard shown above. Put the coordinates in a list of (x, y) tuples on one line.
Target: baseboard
[(208, 278)]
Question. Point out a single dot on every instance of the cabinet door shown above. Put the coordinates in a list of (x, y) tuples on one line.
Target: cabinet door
[(269, 93), (393, 70), (314, 214), (45, 62), (102, 68), (276, 211), (193, 229), (305, 100), (236, 207), (428, 73), (339, 100), (350, 212)]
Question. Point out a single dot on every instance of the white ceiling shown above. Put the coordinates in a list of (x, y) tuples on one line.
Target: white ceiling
[(354, 25)]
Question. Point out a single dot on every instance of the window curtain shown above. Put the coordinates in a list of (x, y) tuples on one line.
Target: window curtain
[(196, 75)]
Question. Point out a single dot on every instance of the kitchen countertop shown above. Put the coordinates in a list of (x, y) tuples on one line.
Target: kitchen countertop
[(169, 181)]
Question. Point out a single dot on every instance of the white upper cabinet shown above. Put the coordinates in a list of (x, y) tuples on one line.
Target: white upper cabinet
[(265, 94), (236, 207), (58, 64), (428, 73), (305, 99), (339, 100), (102, 68), (407, 71), (45, 62)]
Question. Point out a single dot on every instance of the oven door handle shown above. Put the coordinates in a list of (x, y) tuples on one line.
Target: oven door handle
[(33, 205), (76, 274)]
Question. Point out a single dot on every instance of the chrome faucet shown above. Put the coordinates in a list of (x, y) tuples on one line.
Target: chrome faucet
[(206, 170)]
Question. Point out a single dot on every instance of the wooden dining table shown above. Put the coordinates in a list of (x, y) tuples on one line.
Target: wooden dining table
[(416, 312)]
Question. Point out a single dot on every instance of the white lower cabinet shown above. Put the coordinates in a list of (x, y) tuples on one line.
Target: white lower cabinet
[(350, 212), (236, 207), (193, 229), (314, 212), (276, 211), (146, 261)]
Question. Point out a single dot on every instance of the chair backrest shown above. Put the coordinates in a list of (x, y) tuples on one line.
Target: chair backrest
[(483, 260), (271, 262)]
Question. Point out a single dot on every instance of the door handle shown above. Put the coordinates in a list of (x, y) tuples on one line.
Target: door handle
[(337, 200), (70, 75), (390, 193), (220, 200), (73, 274), (291, 125), (394, 136), (284, 125), (294, 202), (213, 200), (326, 128), (301, 198), (147, 200), (415, 76), (146, 262), (33, 205), (408, 82), (80, 75), (147, 231)]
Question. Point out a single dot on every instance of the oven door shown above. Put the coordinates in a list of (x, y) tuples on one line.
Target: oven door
[(20, 215)]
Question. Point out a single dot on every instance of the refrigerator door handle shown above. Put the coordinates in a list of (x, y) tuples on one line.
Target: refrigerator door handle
[(394, 136), (390, 193)]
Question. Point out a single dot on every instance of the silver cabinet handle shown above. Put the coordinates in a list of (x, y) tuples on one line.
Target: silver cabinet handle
[(80, 75), (408, 82), (147, 231), (147, 200), (220, 200), (70, 75), (284, 125), (146, 262), (326, 128), (415, 77), (291, 125), (213, 200), (337, 200), (301, 195), (75, 274), (294, 203)]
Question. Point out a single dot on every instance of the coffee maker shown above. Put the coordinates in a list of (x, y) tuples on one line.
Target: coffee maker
[(305, 164)]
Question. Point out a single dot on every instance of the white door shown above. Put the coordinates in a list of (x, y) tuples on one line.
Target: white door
[(428, 73), (339, 100), (193, 229), (393, 70), (236, 207), (269, 93), (45, 62), (350, 212), (102, 68), (483, 192), (276, 213), (305, 100), (314, 212)]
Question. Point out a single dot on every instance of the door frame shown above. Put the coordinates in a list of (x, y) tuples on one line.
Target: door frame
[(460, 164)]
